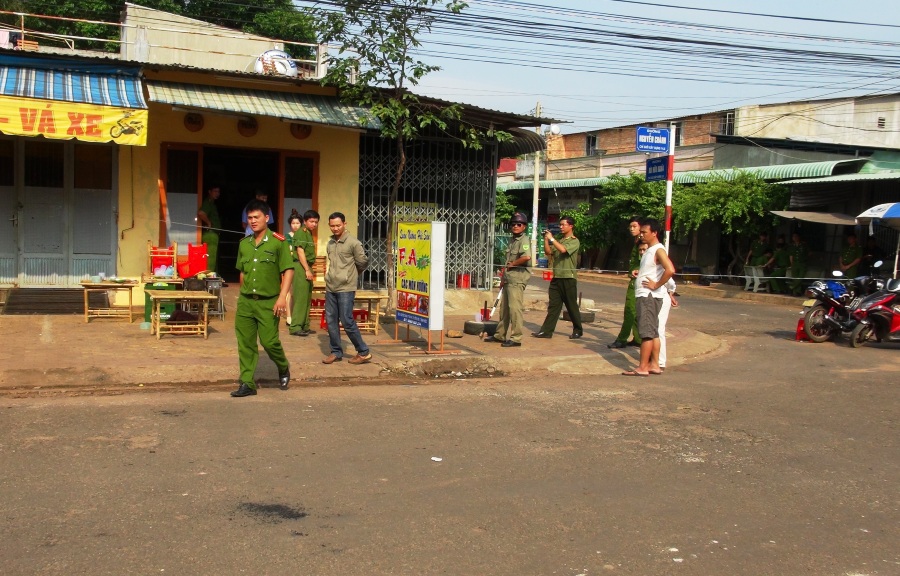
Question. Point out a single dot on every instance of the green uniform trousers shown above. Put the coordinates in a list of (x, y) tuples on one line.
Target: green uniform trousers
[(211, 239), (301, 298), (798, 271), (562, 291), (777, 284), (254, 318), (512, 306), (629, 323)]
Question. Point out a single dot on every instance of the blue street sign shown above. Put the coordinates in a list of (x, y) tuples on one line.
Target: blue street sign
[(652, 139), (657, 169)]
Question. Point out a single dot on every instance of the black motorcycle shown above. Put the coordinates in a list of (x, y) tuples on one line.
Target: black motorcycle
[(832, 303)]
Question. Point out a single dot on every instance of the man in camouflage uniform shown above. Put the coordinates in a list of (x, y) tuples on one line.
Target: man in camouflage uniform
[(515, 278), (267, 269)]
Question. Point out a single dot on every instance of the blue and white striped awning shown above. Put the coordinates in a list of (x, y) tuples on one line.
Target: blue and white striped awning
[(119, 90)]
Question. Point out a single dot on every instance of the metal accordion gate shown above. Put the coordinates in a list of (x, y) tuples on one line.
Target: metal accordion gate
[(443, 181)]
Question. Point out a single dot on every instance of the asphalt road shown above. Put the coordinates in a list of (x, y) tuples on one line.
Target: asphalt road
[(773, 457)]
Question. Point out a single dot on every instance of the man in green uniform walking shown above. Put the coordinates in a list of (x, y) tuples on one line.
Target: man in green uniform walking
[(515, 278), (851, 256), (208, 215), (305, 256), (267, 269), (564, 285)]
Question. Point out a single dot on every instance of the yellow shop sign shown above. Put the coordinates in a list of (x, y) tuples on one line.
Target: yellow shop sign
[(66, 120)]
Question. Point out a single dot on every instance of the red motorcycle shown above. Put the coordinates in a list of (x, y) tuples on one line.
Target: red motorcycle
[(878, 316)]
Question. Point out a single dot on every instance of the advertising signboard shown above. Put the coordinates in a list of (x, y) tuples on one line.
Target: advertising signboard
[(421, 262)]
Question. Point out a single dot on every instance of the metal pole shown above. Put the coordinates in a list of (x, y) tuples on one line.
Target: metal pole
[(670, 175), (536, 194)]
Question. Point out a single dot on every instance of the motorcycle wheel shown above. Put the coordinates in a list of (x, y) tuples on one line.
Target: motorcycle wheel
[(861, 334), (115, 131), (814, 325)]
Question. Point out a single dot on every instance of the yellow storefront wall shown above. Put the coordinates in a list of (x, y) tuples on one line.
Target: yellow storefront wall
[(140, 173)]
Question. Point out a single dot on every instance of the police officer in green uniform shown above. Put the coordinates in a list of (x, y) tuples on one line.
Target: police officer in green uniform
[(779, 263), (760, 251), (799, 254), (515, 278), (267, 269), (851, 256), (564, 285), (208, 215), (629, 320), (304, 258)]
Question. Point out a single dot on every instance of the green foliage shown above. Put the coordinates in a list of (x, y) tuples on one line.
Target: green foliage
[(503, 209), (739, 206), (277, 19)]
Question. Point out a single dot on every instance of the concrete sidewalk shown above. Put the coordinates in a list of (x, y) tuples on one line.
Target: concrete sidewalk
[(47, 353)]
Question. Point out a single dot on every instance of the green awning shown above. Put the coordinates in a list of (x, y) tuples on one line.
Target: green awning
[(845, 178), (290, 106), (550, 184), (773, 173)]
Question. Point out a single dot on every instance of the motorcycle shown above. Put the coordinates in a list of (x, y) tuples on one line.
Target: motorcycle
[(829, 310), (878, 316), (131, 127)]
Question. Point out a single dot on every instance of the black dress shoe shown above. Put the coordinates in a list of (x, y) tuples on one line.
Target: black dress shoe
[(576, 335), (616, 344), (510, 344), (634, 343), (284, 378), (542, 335), (244, 390)]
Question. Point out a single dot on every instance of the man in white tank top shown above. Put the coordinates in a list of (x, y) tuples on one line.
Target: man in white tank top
[(650, 288)]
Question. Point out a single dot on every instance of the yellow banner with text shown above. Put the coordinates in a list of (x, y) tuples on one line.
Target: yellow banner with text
[(66, 120)]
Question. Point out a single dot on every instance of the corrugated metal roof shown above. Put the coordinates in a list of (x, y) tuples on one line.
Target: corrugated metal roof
[(550, 184), (845, 178), (775, 172), (314, 109), (522, 142)]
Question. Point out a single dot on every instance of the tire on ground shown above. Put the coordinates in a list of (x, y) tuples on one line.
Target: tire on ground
[(475, 328)]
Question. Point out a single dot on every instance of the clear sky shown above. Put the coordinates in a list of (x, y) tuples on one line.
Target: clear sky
[(601, 63)]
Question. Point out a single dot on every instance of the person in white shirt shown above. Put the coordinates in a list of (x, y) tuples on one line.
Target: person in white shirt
[(650, 288), (667, 304)]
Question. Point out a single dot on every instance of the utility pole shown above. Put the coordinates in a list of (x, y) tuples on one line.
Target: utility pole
[(536, 194), (670, 177)]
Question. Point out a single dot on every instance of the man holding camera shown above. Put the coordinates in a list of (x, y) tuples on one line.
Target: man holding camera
[(515, 278), (564, 285)]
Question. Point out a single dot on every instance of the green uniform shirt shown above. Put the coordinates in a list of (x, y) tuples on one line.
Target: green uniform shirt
[(212, 212), (303, 240), (635, 261), (799, 254), (518, 247), (782, 258), (850, 254), (263, 264), (565, 263)]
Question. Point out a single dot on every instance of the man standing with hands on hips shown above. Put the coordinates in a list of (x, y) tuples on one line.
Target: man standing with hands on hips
[(650, 289), (515, 278), (564, 285), (267, 269)]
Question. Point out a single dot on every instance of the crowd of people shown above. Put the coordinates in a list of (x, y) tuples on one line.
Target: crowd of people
[(276, 281)]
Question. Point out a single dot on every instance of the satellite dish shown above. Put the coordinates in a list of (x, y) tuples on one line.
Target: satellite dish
[(276, 62), (554, 129)]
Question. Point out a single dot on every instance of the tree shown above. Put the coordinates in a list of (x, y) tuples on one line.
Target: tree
[(375, 67), (740, 206), (277, 19)]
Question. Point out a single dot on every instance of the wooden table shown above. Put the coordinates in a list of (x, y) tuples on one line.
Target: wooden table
[(110, 311), (198, 326), (371, 299)]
